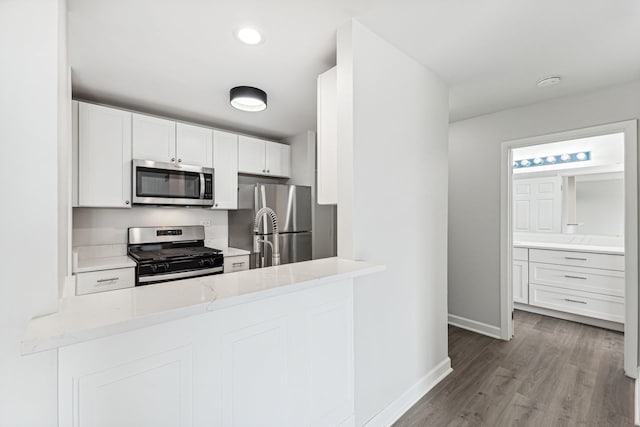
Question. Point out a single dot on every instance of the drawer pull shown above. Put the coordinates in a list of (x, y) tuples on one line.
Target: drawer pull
[(238, 264), (575, 259), (112, 279), (574, 300), (575, 277)]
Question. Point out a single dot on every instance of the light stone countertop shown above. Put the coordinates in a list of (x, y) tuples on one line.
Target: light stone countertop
[(613, 250), (87, 317)]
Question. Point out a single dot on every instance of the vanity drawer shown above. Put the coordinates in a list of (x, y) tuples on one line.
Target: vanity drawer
[(521, 254), (105, 280), (584, 303), (578, 259), (606, 282), (236, 263)]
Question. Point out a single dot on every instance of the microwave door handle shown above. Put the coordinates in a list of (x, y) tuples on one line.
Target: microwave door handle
[(201, 186)]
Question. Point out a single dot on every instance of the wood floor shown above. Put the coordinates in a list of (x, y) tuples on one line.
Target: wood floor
[(553, 373)]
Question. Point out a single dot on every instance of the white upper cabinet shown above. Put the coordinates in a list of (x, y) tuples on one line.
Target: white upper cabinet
[(194, 145), (165, 140), (537, 205), (225, 164), (154, 138), (104, 156), (327, 151), (277, 159), (261, 157), (251, 155)]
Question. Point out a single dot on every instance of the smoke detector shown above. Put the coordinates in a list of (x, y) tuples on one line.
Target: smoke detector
[(549, 81)]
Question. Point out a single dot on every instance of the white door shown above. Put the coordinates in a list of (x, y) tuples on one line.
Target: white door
[(225, 164), (194, 145), (547, 197), (251, 155), (277, 159), (537, 205), (521, 206), (104, 156), (520, 281), (154, 138)]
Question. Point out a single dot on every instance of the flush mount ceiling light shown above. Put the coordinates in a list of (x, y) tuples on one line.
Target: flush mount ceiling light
[(549, 81), (247, 98), (249, 36)]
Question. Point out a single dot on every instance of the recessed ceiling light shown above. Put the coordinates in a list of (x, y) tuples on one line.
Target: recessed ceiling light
[(247, 98), (549, 81), (249, 36)]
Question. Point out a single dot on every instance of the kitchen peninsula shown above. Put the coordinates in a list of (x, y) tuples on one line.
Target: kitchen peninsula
[(273, 343)]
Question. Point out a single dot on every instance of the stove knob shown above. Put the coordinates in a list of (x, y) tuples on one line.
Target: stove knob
[(154, 268), (166, 266), (201, 263)]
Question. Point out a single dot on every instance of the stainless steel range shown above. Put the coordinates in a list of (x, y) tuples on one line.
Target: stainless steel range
[(172, 253)]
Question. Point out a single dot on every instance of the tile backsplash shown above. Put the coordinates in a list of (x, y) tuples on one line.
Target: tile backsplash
[(104, 226)]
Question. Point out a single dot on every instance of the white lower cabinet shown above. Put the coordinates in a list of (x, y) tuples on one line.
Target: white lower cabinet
[(236, 263), (105, 280), (285, 361), (583, 303), (582, 283), (520, 281)]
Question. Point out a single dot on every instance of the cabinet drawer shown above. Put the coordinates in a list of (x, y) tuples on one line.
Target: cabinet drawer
[(578, 259), (236, 263), (521, 254), (105, 280), (606, 282), (584, 303)]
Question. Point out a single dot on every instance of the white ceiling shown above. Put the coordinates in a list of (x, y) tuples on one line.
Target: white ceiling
[(180, 58), (493, 52)]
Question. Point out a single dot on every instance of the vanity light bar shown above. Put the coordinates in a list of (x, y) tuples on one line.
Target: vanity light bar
[(581, 156)]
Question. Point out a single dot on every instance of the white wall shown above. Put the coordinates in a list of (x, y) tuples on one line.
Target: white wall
[(101, 226), (600, 206), (474, 186), (303, 172), (29, 114), (392, 209)]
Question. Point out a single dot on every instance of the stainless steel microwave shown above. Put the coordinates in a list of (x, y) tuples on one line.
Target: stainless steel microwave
[(159, 183)]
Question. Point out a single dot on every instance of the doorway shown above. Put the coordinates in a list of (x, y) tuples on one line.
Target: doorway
[(560, 217)]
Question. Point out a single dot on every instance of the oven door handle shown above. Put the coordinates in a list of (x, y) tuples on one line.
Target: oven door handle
[(201, 186), (179, 275)]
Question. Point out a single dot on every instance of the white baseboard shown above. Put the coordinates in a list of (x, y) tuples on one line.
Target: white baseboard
[(636, 403), (399, 406), (473, 326)]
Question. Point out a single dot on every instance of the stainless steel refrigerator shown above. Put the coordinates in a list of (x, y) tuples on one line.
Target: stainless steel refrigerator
[(292, 205)]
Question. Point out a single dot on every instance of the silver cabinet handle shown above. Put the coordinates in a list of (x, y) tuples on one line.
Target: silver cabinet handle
[(126, 202), (179, 160), (268, 171), (112, 279), (575, 277), (237, 264), (173, 159), (216, 205), (575, 259), (264, 170), (573, 300)]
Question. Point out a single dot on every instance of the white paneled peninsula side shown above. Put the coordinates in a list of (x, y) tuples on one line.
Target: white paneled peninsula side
[(234, 349)]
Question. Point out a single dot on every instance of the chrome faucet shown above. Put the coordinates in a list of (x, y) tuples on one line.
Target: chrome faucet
[(275, 247)]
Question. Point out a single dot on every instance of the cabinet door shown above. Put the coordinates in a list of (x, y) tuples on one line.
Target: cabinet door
[(225, 164), (104, 156), (154, 138), (277, 159), (327, 145), (194, 145), (251, 154), (520, 281)]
